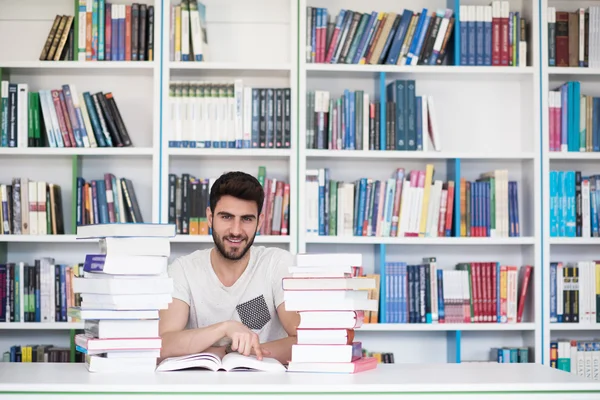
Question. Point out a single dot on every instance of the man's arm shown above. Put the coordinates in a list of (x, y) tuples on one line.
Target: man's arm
[(282, 349), (177, 341)]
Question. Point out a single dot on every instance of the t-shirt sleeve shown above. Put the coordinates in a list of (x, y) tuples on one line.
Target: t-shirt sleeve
[(280, 270), (181, 288)]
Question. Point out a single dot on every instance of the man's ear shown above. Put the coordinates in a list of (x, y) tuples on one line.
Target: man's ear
[(209, 217)]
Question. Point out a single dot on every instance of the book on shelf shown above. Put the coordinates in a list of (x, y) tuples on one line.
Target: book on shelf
[(331, 303), (188, 35), (411, 204), (100, 30), (573, 119), (574, 292), (38, 353), (131, 280), (107, 200), (31, 207), (189, 199), (59, 118), (38, 292), (579, 357), (574, 204), (230, 362), (352, 121), (492, 35), (570, 43), (229, 115), (379, 37), (505, 355), (472, 292)]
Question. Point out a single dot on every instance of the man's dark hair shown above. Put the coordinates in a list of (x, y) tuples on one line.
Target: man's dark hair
[(239, 185)]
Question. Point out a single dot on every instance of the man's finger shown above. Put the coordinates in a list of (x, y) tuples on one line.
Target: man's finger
[(234, 343), (257, 348)]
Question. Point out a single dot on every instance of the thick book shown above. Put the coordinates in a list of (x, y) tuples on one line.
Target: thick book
[(212, 362)]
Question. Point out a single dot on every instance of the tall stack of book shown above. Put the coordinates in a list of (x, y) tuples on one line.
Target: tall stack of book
[(331, 303), (122, 290)]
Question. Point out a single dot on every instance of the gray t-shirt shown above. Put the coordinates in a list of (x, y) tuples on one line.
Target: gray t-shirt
[(253, 299)]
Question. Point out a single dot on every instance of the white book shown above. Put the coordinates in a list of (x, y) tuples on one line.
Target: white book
[(324, 260), (115, 329), (132, 285), (212, 362), (135, 246), (97, 363)]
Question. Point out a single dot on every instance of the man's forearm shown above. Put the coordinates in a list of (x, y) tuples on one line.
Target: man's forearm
[(190, 341), (280, 349)]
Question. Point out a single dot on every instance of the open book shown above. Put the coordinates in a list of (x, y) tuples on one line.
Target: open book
[(231, 362)]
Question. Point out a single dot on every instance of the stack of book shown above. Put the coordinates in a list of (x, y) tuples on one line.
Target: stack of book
[(331, 303), (122, 290)]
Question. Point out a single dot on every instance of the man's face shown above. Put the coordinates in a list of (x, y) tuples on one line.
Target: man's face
[(234, 226)]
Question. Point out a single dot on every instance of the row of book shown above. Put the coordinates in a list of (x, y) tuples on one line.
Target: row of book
[(229, 115), (188, 35), (573, 37), (472, 292), (353, 122), (59, 118), (492, 35), (189, 198), (574, 204), (100, 30), (575, 356), (575, 292), (29, 207), (509, 355), (107, 200), (40, 353), (411, 204), (573, 119), (396, 38), (38, 292)]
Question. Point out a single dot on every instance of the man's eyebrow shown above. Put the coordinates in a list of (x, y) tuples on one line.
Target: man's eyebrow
[(230, 214)]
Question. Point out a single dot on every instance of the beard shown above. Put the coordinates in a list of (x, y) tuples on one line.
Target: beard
[(236, 253)]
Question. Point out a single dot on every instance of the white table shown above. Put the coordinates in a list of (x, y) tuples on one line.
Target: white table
[(405, 381)]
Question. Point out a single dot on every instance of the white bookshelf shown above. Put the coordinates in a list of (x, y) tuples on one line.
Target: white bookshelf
[(564, 249), (489, 117)]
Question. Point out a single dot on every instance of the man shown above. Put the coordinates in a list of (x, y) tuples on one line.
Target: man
[(230, 297)]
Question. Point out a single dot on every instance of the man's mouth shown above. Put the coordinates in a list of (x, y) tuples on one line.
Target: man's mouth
[(235, 240)]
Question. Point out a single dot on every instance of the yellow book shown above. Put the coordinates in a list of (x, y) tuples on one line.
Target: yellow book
[(178, 33), (426, 192)]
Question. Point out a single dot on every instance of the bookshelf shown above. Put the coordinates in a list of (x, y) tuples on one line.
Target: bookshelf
[(488, 117), (566, 249)]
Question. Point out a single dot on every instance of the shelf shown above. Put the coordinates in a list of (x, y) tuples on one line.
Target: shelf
[(271, 239), (174, 65), (420, 69), (76, 151), (418, 155), (40, 326), (176, 239), (233, 70), (573, 71), (573, 155), (574, 327), (244, 153), (455, 241), (78, 64), (575, 240), (445, 327)]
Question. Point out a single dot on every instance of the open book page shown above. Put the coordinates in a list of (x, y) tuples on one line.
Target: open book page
[(237, 362), (212, 362), (200, 360)]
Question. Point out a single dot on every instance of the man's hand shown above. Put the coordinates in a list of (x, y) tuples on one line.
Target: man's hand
[(243, 339)]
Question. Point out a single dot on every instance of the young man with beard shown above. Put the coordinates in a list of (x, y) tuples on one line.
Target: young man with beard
[(230, 297)]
